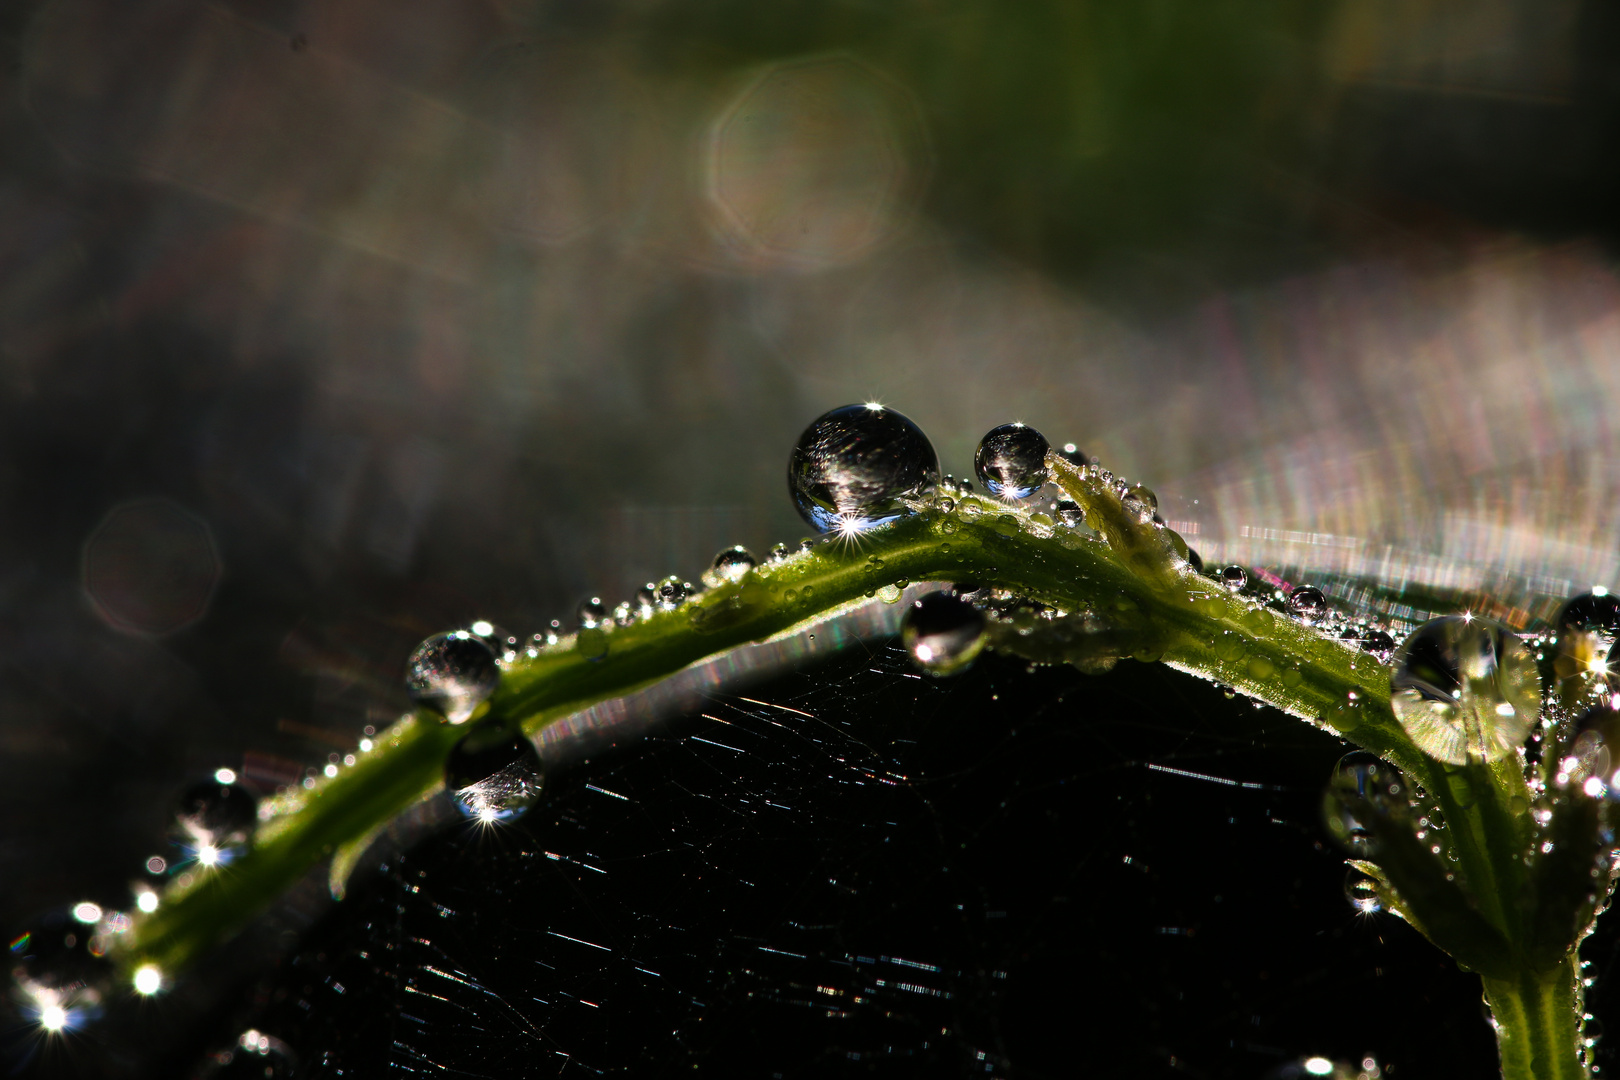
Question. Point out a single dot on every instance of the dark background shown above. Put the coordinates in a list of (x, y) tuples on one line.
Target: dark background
[(326, 326)]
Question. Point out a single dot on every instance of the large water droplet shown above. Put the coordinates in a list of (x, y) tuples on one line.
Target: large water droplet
[(1587, 629), (59, 968), (1465, 687), (494, 774), (1362, 785), (1011, 461), (1307, 604), (452, 674), (215, 821), (1361, 889), (858, 467), (256, 1056), (1233, 577), (943, 633), (730, 565), (1140, 502)]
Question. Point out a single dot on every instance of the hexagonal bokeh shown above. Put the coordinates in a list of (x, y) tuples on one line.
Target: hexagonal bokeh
[(150, 567), (815, 162)]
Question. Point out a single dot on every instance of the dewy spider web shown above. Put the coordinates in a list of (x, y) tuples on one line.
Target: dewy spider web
[(855, 871)]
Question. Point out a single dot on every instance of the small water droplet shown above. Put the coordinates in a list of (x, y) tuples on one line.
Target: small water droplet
[(1587, 761), (214, 822), (493, 773), (890, 594), (731, 564), (1362, 784), (1465, 687), (945, 504), (1073, 454), (943, 633), (646, 600), (624, 614), (1361, 889), (1234, 577), (858, 467), (256, 1056), (591, 612), (500, 643), (672, 593), (1011, 461), (1307, 604), (1069, 513), (1140, 502), (779, 552), (452, 674), (1379, 643)]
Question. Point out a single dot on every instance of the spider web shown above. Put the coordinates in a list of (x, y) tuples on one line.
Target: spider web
[(857, 871)]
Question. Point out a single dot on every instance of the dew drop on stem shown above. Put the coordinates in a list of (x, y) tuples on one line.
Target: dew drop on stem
[(943, 633), (672, 593), (493, 773), (1140, 502), (60, 973), (1234, 578), (1587, 633), (1073, 455), (1068, 512), (858, 467), (591, 611), (1307, 604), (1465, 687), (452, 674), (1361, 889), (1362, 785), (1011, 461), (1379, 643), (214, 822), (731, 564)]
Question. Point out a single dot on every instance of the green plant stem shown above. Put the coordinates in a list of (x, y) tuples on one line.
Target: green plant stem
[(1140, 599), (1537, 1022)]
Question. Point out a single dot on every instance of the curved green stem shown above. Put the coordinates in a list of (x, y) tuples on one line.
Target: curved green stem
[(1130, 593)]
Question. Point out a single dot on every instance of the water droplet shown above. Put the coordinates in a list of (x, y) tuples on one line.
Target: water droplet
[(731, 564), (215, 821), (1307, 604), (591, 612), (672, 593), (1140, 502), (1379, 643), (1361, 889), (1362, 784), (1011, 461), (1465, 687), (858, 467), (624, 614), (779, 552), (59, 968), (1069, 513), (944, 504), (646, 601), (452, 674), (943, 633), (1233, 577), (591, 642), (1587, 634), (889, 594), (493, 773), (1073, 454), (256, 1056)]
